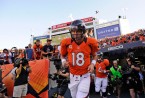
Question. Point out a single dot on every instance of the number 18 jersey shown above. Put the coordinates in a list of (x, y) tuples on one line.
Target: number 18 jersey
[(79, 55)]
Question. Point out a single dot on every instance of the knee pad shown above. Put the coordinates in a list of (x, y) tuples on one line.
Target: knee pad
[(104, 94)]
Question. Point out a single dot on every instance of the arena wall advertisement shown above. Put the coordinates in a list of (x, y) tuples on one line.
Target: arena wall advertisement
[(109, 31)]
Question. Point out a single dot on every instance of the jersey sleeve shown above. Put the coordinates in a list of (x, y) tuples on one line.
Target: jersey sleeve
[(34, 47), (63, 50), (106, 62), (41, 47), (94, 46)]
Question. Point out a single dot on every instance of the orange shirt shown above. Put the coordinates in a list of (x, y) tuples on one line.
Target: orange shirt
[(113, 43), (79, 55), (141, 38), (21, 55), (37, 50), (101, 66)]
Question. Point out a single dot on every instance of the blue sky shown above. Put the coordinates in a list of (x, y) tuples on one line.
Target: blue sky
[(21, 18)]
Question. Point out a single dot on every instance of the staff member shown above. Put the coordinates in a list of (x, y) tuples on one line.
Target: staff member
[(132, 74), (116, 77)]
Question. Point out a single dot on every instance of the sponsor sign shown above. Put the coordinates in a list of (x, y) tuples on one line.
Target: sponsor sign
[(109, 31)]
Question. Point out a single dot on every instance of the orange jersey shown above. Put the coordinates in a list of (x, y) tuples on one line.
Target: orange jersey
[(79, 55), (37, 50), (21, 55), (101, 66)]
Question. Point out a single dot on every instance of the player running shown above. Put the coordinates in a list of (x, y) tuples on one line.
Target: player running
[(78, 49)]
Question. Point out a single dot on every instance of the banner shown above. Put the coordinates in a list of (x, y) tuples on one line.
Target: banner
[(38, 79), (124, 46), (62, 25), (41, 38), (109, 31)]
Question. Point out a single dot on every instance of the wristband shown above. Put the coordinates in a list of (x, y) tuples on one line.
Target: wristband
[(93, 62), (105, 71), (63, 60)]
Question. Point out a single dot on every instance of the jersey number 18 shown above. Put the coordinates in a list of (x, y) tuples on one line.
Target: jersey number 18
[(78, 59)]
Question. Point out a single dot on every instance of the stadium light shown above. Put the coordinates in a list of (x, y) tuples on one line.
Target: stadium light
[(71, 17), (124, 12), (96, 12)]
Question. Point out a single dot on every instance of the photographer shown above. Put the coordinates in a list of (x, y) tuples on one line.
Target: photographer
[(62, 80), (63, 85), (21, 81), (131, 74)]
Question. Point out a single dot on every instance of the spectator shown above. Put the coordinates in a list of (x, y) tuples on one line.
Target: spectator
[(91, 33), (113, 41), (21, 53), (25, 51), (37, 50), (47, 50), (14, 53), (6, 55), (29, 52), (1, 59)]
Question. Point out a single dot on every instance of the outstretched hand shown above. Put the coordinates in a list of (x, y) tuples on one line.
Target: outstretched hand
[(91, 68)]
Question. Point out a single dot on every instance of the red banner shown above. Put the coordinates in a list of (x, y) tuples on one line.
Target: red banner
[(61, 25), (38, 84), (89, 19)]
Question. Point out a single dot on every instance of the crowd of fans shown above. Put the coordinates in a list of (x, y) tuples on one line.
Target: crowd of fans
[(113, 41), (36, 52), (31, 53)]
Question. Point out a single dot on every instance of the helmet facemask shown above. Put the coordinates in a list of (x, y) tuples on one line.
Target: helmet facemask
[(77, 33), (99, 57)]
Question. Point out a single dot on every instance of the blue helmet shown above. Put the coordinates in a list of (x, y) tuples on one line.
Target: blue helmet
[(77, 26)]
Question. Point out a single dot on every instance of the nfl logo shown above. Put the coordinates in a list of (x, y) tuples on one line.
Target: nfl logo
[(70, 46)]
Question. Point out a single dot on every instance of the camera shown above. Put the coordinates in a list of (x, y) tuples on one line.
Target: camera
[(54, 76), (19, 61), (57, 63), (59, 79), (131, 57), (3, 88)]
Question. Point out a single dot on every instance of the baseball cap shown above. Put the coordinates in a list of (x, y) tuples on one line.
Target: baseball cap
[(49, 39), (37, 40)]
